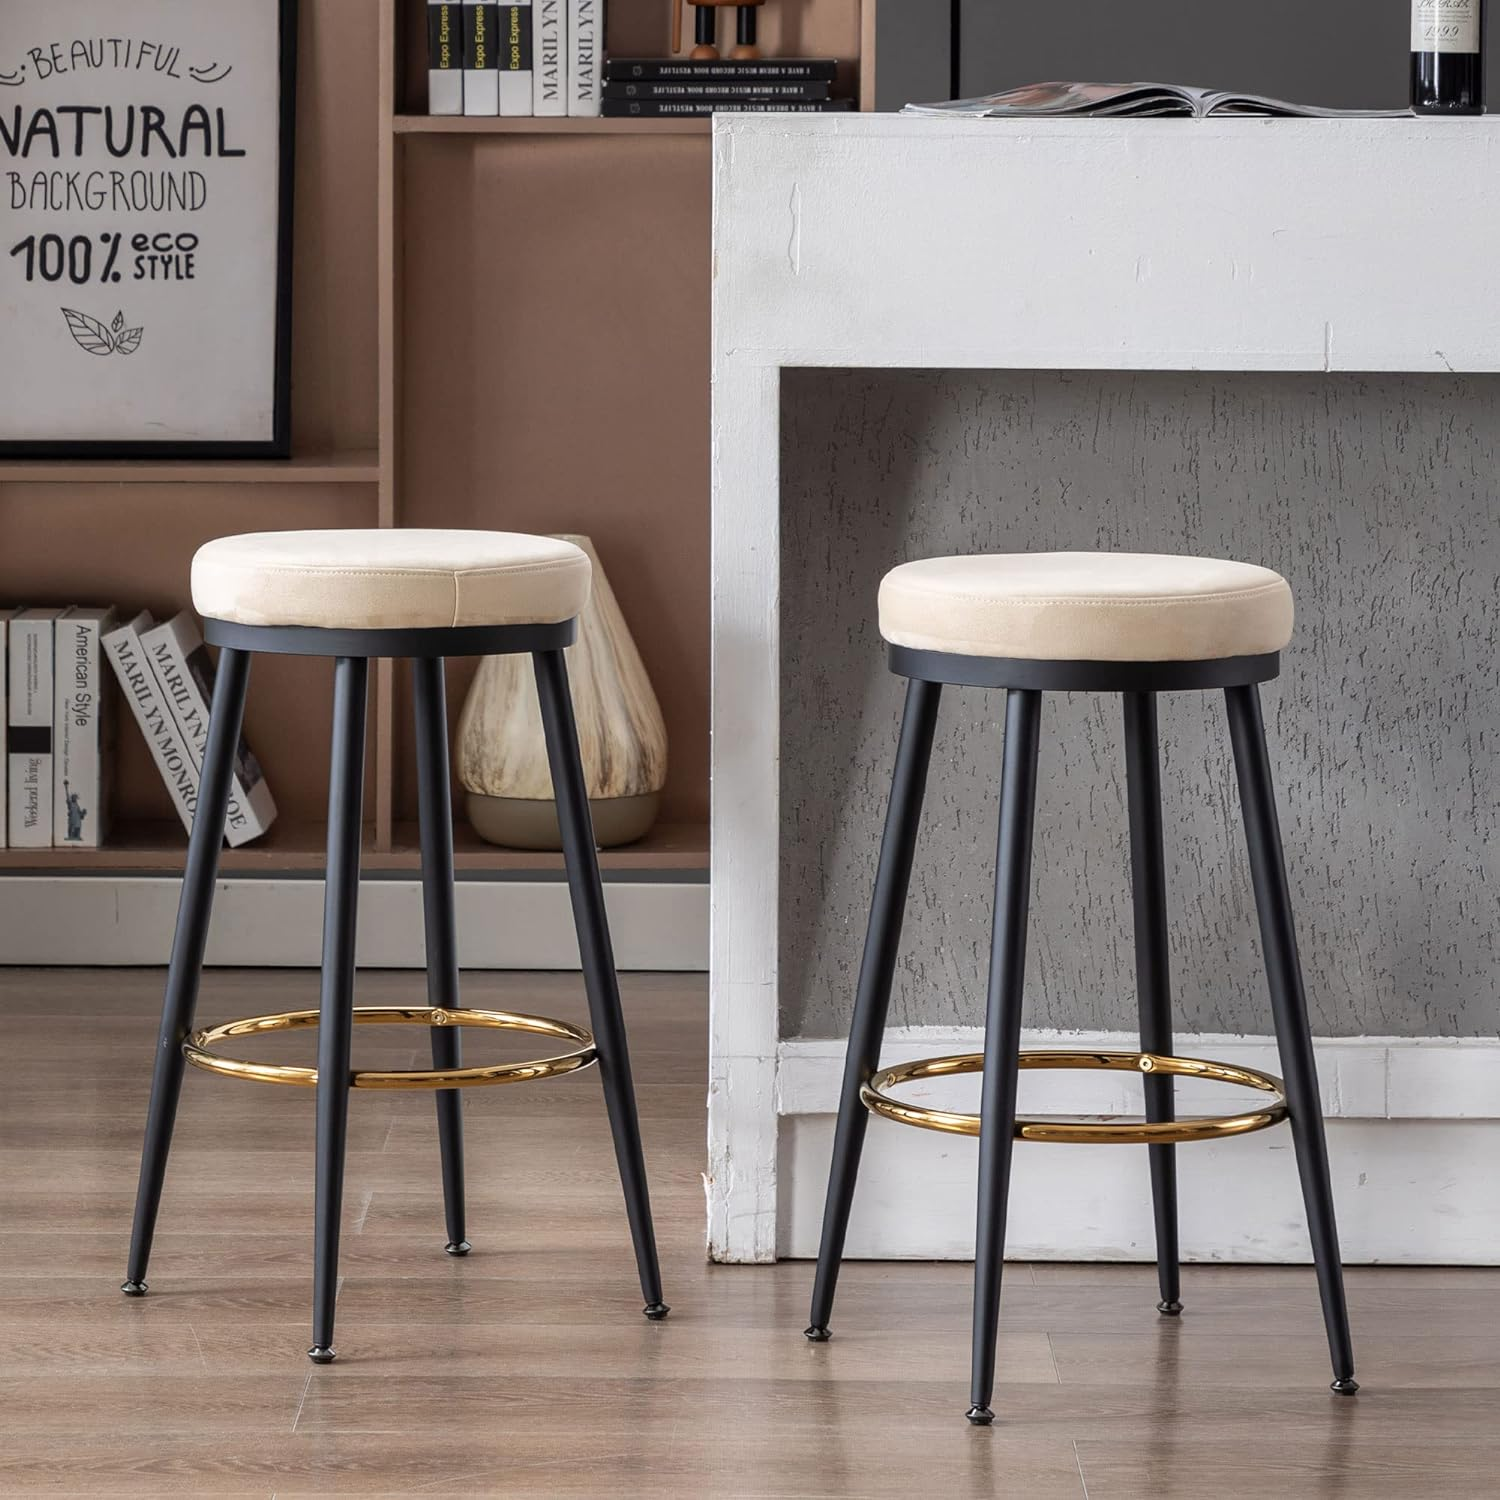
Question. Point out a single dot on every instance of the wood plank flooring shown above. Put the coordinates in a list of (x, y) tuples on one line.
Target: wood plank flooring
[(527, 1369)]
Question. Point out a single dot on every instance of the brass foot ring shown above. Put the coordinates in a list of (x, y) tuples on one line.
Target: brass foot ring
[(1083, 1131), (198, 1049)]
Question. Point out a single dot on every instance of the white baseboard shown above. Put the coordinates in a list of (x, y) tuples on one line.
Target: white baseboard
[(502, 924), (1413, 1134)]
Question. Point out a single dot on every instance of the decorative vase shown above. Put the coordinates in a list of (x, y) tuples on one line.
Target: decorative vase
[(502, 754)]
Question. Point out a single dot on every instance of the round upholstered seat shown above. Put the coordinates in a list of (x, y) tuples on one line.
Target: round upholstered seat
[(1086, 606), (390, 580)]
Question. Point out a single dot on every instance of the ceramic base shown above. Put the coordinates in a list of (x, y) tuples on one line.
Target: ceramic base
[(523, 823)]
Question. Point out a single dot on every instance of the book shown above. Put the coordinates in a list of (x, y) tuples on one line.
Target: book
[(515, 58), (481, 58), (29, 747), (185, 675), (763, 90), (83, 730), (585, 26), (445, 57), (660, 108), (727, 69), (549, 57), (1117, 99), (138, 687), (6, 615)]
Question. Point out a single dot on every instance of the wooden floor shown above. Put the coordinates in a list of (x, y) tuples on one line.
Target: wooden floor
[(527, 1369)]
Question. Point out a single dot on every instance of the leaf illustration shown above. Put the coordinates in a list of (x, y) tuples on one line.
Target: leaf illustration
[(89, 333), (118, 323), (129, 341)]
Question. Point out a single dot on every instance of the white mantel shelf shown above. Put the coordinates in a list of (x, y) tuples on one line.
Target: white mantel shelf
[(890, 241)]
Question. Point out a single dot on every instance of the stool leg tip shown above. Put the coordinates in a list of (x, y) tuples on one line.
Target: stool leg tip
[(134, 1288), (816, 1335), (458, 1247), (1170, 1309), (980, 1416), (656, 1311), (1345, 1387), (321, 1354)]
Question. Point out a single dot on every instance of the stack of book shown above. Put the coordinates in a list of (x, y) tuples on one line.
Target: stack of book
[(538, 57), (666, 86), (58, 730)]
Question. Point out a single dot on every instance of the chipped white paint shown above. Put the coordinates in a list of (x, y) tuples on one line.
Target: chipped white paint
[(1221, 245)]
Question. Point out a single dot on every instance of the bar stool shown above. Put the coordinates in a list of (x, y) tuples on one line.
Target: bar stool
[(1068, 622), (425, 595)]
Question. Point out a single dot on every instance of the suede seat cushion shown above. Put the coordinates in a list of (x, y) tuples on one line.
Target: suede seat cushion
[(390, 580), (1086, 606)]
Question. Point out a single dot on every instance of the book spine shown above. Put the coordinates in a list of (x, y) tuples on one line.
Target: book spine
[(663, 108), (185, 676), (806, 92), (445, 57), (585, 49), (728, 69), (549, 59), (481, 58), (31, 734), (138, 686), (81, 734), (515, 58)]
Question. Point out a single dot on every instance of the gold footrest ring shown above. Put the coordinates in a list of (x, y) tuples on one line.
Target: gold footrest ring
[(198, 1049), (877, 1099)]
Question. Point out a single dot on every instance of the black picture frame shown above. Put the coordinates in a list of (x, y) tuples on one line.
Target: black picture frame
[(279, 444)]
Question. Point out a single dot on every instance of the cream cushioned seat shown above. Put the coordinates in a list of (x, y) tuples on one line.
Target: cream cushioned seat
[(1086, 606), (390, 580)]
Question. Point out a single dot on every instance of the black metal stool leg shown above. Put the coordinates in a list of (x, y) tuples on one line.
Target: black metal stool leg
[(435, 806), (186, 967), (600, 980), (346, 786), (1002, 1036), (873, 998), (1289, 1003), (1153, 979)]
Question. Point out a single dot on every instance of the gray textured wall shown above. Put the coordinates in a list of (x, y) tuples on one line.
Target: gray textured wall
[(1349, 53), (1374, 495)]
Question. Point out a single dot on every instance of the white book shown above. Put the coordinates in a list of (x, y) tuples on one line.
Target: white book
[(481, 58), (185, 674), (138, 687), (30, 739), (82, 730), (6, 615), (515, 58), (585, 56), (549, 57), (445, 57)]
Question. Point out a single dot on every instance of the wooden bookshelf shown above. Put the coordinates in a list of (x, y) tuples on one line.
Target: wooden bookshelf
[(496, 323)]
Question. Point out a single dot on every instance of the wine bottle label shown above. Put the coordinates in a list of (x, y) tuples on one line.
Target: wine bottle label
[(1445, 25)]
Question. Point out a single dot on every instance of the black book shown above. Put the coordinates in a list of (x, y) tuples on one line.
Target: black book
[(726, 69), (763, 89), (660, 108)]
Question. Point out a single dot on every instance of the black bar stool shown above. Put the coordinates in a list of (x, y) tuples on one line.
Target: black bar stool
[(424, 595), (1067, 622)]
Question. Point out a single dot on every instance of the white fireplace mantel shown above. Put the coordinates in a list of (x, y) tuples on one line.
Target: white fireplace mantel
[(887, 241)]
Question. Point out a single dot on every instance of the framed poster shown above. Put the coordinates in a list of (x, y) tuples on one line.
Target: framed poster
[(146, 166)]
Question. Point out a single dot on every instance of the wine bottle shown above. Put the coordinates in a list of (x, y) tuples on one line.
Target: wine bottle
[(1447, 63)]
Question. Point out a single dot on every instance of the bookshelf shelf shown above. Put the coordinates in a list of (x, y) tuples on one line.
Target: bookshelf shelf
[(153, 848), (357, 467), (469, 125), (508, 334)]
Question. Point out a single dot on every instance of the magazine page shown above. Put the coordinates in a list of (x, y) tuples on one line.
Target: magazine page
[(1068, 99), (1221, 104)]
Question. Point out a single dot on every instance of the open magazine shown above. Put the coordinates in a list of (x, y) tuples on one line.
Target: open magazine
[(1116, 99)]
